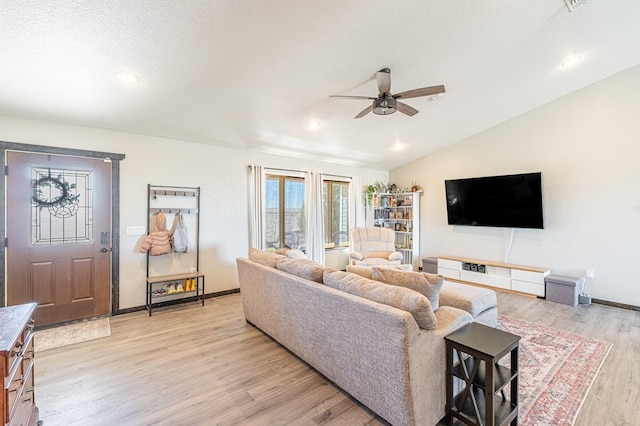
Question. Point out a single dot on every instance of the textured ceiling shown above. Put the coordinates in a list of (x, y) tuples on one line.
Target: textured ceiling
[(253, 74)]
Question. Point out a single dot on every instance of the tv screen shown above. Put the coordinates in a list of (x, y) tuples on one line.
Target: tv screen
[(512, 201)]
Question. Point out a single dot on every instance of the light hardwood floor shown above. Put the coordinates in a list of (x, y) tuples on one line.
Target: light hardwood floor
[(190, 365)]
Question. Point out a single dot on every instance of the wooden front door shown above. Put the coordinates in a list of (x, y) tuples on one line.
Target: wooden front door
[(59, 239)]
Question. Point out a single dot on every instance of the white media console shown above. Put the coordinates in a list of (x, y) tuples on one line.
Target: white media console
[(522, 279)]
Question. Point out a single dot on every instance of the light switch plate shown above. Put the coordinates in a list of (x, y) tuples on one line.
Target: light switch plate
[(136, 230)]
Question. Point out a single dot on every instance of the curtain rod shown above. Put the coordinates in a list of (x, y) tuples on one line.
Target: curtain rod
[(303, 171), (279, 170), (285, 170), (338, 176)]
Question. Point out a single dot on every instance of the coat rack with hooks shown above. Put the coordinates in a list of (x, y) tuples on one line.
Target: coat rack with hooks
[(173, 193), (185, 282)]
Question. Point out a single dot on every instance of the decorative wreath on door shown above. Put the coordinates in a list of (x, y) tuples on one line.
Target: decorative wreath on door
[(56, 194)]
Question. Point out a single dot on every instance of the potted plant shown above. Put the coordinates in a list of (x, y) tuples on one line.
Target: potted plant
[(370, 191)]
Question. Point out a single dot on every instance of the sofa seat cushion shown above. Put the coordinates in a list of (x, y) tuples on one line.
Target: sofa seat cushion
[(474, 300), (376, 261), (426, 284), (398, 297), (367, 271), (304, 268), (265, 257)]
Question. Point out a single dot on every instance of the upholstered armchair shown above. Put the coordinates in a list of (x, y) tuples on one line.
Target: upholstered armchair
[(374, 246)]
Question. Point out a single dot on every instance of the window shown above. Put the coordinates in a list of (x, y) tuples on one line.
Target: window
[(284, 219), (335, 199)]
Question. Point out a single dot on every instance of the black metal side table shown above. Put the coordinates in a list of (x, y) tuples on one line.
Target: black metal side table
[(477, 349)]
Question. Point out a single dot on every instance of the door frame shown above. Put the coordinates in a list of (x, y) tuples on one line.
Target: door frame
[(115, 208)]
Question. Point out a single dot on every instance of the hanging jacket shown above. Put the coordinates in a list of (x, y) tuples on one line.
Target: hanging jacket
[(158, 242), (179, 234)]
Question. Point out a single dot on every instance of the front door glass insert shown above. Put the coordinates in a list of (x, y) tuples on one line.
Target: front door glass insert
[(61, 206)]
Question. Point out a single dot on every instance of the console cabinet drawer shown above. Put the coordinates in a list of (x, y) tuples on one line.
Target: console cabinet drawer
[(486, 279), (449, 264), (529, 276), (528, 287)]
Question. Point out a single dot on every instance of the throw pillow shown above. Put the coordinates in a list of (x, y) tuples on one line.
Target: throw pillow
[(264, 257), (304, 268), (367, 271), (296, 254), (427, 284), (398, 297)]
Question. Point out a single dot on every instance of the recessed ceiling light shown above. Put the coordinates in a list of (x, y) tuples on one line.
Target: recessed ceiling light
[(570, 61), (398, 146), (128, 77), (314, 125)]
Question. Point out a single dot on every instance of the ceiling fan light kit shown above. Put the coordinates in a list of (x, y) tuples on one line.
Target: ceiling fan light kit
[(386, 103)]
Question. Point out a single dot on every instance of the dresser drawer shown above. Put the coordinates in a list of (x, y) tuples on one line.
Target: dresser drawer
[(13, 354), (27, 353), (13, 386), (23, 409), (16, 367)]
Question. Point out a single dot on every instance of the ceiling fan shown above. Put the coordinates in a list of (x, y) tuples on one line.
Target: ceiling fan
[(386, 103)]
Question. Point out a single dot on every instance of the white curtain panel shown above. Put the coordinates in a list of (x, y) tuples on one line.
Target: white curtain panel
[(256, 206), (356, 212), (315, 222)]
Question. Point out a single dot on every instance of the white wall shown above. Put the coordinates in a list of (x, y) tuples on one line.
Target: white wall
[(587, 146), (220, 172)]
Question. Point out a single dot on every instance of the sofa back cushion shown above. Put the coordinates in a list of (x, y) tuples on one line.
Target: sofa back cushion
[(427, 284), (399, 297), (304, 268), (367, 271), (264, 257)]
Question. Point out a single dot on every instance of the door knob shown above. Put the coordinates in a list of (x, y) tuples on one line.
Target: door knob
[(105, 249)]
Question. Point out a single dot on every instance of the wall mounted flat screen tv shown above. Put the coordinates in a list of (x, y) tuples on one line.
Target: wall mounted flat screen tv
[(511, 201)]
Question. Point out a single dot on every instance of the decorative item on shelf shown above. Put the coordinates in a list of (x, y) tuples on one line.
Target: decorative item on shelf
[(382, 187), (379, 187), (370, 191)]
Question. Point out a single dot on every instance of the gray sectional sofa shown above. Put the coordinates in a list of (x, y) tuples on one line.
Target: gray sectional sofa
[(375, 351)]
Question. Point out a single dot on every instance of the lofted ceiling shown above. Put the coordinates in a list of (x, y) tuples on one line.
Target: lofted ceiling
[(254, 74)]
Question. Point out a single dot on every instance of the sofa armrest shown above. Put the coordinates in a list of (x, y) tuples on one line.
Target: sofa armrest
[(396, 255), (355, 255)]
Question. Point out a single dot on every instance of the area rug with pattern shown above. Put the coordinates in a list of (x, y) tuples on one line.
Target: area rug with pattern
[(556, 371)]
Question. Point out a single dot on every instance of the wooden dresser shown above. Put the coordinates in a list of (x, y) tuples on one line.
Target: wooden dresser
[(16, 348)]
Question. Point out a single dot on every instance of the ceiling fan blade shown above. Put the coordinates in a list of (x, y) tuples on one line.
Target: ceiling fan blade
[(365, 111), (406, 109), (424, 91), (352, 97), (383, 77)]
